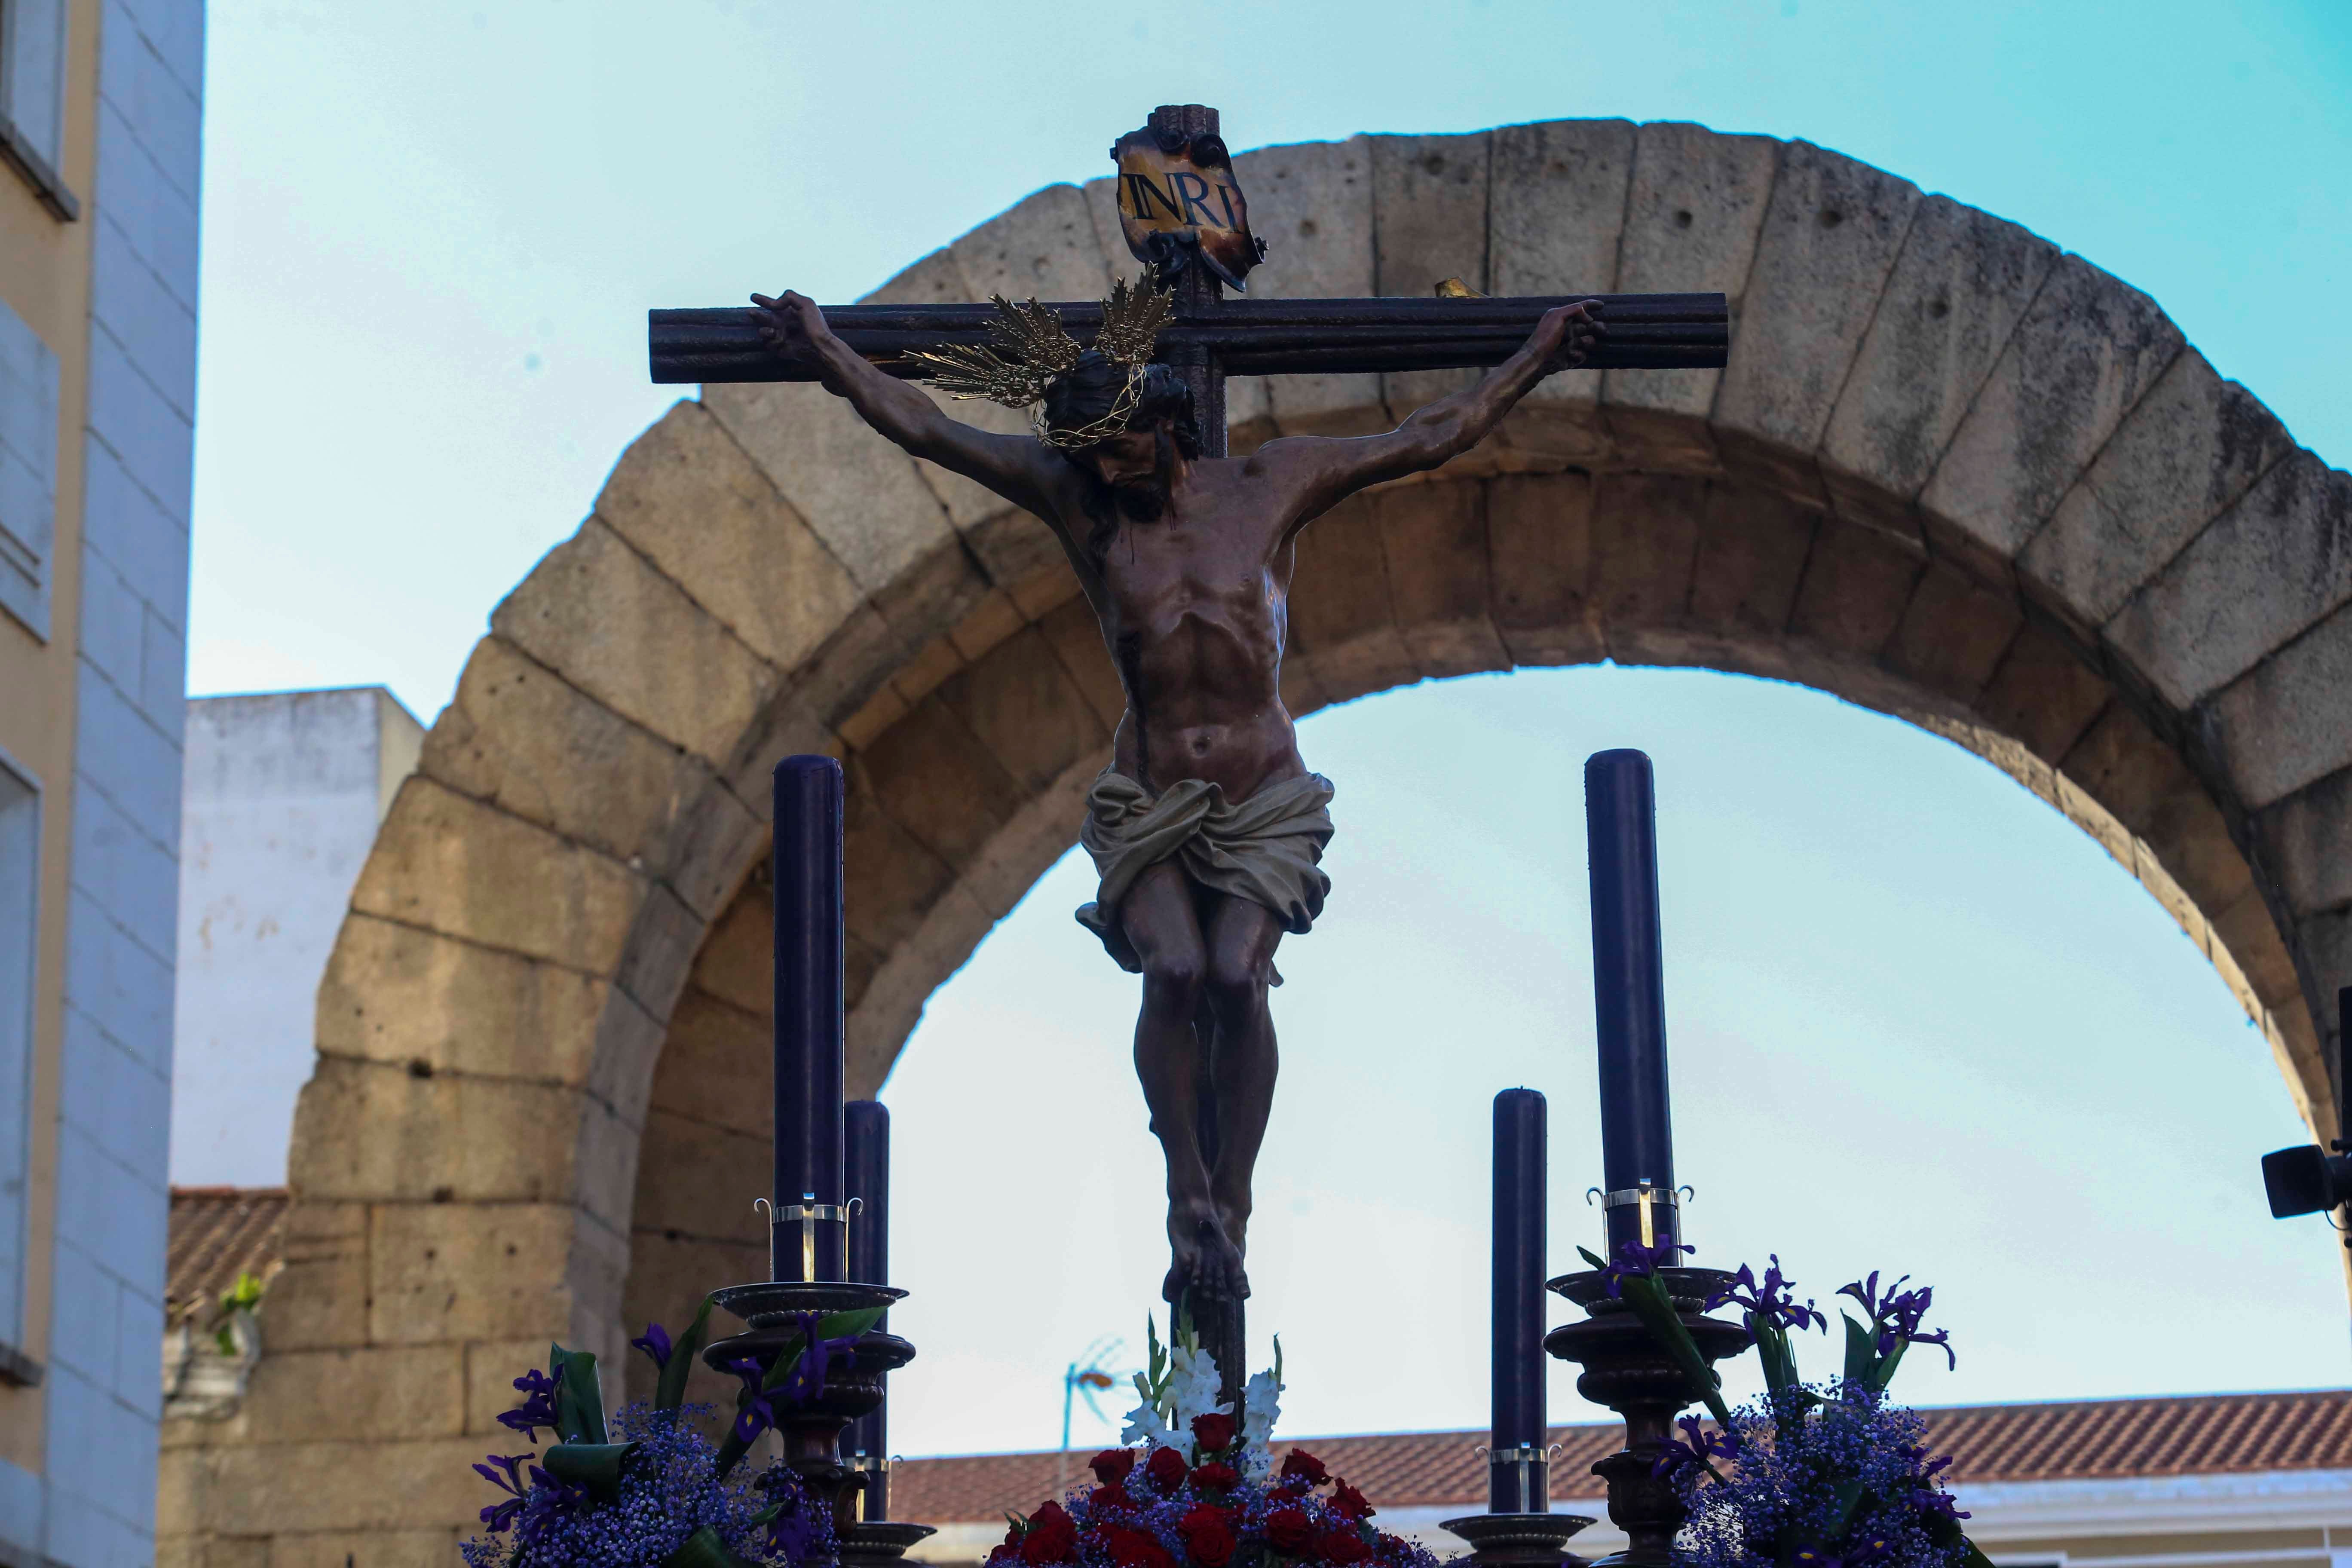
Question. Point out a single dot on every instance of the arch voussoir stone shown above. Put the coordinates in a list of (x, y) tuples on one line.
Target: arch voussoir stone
[(1951, 473)]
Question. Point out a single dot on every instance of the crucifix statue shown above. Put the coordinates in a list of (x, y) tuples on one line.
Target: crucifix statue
[(1207, 825)]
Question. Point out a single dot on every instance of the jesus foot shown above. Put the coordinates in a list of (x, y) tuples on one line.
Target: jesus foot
[(1204, 1259)]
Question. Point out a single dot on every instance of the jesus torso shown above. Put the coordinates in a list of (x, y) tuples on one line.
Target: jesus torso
[(1194, 608)]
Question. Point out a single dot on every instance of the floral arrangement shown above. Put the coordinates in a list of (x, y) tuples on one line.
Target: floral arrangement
[(1829, 1475), (651, 1489), (1202, 1488)]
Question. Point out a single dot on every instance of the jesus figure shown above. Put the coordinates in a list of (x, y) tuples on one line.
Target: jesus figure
[(1207, 827)]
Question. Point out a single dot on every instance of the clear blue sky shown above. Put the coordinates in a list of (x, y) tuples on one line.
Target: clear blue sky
[(432, 231)]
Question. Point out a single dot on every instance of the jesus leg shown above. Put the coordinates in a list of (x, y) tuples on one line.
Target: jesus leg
[(1242, 936), (1159, 918)]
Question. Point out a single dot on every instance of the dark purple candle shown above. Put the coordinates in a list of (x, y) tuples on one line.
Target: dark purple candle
[(867, 1124), (1516, 1475), (1629, 995), (808, 882)]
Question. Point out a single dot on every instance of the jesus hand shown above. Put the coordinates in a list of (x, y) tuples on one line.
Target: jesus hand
[(1567, 333), (792, 325)]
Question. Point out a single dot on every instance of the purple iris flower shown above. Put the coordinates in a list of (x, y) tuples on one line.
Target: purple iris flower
[(1898, 1315), (655, 1344), (549, 1497), (806, 1380), (508, 1478), (1635, 1261), (1771, 1304), (1937, 1503), (538, 1408), (758, 1411), (1697, 1448)]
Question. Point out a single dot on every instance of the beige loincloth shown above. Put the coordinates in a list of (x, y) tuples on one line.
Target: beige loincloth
[(1264, 848)]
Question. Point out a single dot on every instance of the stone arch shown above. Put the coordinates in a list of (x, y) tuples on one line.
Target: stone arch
[(1950, 472)]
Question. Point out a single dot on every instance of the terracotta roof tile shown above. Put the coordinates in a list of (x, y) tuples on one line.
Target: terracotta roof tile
[(2197, 1434), (216, 1233)]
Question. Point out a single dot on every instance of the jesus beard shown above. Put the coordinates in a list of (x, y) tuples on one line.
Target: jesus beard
[(1146, 499)]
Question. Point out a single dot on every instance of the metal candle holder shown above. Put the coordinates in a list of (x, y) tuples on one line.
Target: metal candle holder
[(1628, 1371)]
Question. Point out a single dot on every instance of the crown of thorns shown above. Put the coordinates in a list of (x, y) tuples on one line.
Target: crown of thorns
[(1028, 347)]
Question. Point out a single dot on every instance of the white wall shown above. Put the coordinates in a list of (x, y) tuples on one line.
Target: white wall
[(282, 795)]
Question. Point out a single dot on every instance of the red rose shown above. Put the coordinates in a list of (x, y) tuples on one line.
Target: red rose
[(1289, 1530), (1213, 1432), (1302, 1466), (1052, 1536), (1134, 1548), (1216, 1475), (1349, 1503), (1111, 1497), (1112, 1465), (1392, 1544), (1166, 1468), (1343, 1546), (1211, 1541)]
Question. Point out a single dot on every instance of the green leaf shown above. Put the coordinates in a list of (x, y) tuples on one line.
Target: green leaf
[(1775, 1355), (1596, 1262), (703, 1549), (1884, 1373), (596, 1466), (1974, 1558), (1861, 1351), (831, 1326), (579, 1402), (669, 1393), (1649, 1302)]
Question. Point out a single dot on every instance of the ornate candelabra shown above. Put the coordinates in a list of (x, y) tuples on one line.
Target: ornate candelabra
[(1627, 1370)]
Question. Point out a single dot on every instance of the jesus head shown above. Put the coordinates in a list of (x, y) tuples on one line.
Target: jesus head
[(1134, 466)]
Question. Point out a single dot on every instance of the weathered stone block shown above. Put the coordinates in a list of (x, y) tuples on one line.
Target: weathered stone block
[(2184, 455), (893, 877), (1954, 633), (1043, 247), (293, 1489), (347, 1396), (2263, 572), (931, 594), (1434, 537), (2252, 936), (431, 1139), (1312, 204), (538, 747), (950, 930), (439, 1272), (2284, 723), (397, 995), (668, 1275), (978, 633), (1752, 546), (1645, 531), (1026, 848), (320, 1297), (693, 503), (1963, 283), (660, 951), (2147, 788), (1428, 206), (453, 865), (1692, 216), (2088, 349), (366, 1549), (860, 493), (1556, 210), (1828, 241), (597, 614), (2307, 842), (1021, 705), (939, 782), (490, 1371), (1857, 584), (1539, 548), (922, 676), (2044, 694), (1341, 617), (697, 1179), (737, 963), (713, 1050)]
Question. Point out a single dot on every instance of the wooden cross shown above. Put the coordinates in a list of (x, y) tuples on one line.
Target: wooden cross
[(1212, 337)]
